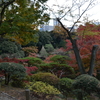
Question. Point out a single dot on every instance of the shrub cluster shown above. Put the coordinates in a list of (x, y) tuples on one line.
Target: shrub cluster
[(45, 77), (42, 88), (11, 49)]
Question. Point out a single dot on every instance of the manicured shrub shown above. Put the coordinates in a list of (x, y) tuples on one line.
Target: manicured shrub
[(49, 47), (8, 47), (86, 84), (43, 53), (41, 88), (11, 49), (65, 85), (45, 67), (19, 54), (32, 61), (11, 69), (60, 70), (60, 59), (45, 77)]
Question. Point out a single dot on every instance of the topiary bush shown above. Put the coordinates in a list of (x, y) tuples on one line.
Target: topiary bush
[(60, 70), (45, 77), (11, 69), (33, 61), (19, 54), (86, 84), (11, 49), (43, 53), (49, 48), (65, 85), (60, 59), (45, 67), (42, 89), (8, 47)]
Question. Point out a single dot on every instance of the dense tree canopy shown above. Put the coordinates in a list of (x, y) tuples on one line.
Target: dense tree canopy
[(21, 20), (3, 5), (88, 29)]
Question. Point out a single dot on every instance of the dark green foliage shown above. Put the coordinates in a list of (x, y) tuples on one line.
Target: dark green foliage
[(86, 84), (19, 54), (33, 61), (45, 77), (60, 64), (8, 47), (11, 69), (45, 67), (44, 38), (17, 82), (57, 40), (11, 49), (60, 59), (61, 70), (59, 67), (62, 44), (64, 67), (65, 85), (49, 48)]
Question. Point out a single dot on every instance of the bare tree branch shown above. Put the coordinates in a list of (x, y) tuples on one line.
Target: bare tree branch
[(75, 48)]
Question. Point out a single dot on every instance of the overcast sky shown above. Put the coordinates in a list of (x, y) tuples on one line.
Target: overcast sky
[(93, 14)]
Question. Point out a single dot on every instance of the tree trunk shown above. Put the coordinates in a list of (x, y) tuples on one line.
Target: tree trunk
[(75, 48), (93, 57)]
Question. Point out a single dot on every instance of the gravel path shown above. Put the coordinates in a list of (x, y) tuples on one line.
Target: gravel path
[(5, 96)]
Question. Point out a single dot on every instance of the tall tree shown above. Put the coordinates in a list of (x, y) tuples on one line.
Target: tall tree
[(22, 19)]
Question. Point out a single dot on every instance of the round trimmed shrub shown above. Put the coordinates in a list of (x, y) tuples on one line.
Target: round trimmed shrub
[(60, 70), (11, 69), (45, 77), (65, 85), (60, 59), (32, 61), (11, 49), (42, 88), (86, 84)]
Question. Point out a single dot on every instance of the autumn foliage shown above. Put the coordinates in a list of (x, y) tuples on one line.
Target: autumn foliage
[(88, 36), (59, 31)]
